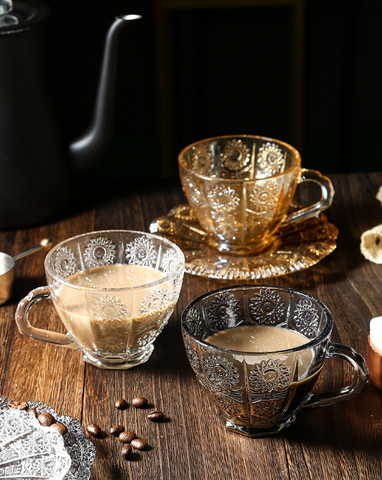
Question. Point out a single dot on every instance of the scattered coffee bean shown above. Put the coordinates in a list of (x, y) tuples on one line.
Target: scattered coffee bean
[(59, 427), (126, 450), (33, 412), (139, 444), (126, 437), (19, 405), (93, 429), (116, 430), (139, 402), (155, 416), (46, 419), (121, 404)]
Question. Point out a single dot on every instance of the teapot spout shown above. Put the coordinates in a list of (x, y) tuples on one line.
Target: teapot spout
[(87, 150)]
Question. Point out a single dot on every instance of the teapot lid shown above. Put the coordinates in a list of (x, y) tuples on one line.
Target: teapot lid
[(20, 15)]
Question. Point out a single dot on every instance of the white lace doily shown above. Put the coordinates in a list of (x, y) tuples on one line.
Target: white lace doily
[(29, 450)]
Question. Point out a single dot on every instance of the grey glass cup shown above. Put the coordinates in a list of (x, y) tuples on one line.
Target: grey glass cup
[(259, 394)]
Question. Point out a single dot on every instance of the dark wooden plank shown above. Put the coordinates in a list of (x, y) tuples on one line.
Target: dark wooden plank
[(339, 441), (34, 370)]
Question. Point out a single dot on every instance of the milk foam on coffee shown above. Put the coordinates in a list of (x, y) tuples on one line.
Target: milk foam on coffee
[(104, 312), (265, 339), (256, 339)]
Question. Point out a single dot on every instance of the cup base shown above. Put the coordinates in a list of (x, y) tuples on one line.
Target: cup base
[(256, 431), (240, 250), (118, 363)]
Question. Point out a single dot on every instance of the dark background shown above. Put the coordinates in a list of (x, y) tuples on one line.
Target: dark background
[(231, 72)]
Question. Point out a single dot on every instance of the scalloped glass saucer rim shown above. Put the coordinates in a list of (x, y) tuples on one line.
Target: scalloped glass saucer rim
[(75, 431), (272, 262)]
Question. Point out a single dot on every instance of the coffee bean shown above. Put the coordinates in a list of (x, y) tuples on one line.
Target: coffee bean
[(139, 402), (33, 412), (155, 416), (126, 437), (46, 419), (121, 404), (139, 444), (59, 427), (19, 405), (116, 430), (126, 450), (93, 429)]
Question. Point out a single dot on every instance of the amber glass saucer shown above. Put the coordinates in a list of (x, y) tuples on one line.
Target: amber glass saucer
[(293, 249)]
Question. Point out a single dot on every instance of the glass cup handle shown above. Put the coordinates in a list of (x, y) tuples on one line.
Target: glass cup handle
[(361, 377), (21, 317), (327, 194)]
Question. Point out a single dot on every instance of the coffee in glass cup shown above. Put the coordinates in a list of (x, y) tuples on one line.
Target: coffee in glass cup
[(113, 290), (258, 350)]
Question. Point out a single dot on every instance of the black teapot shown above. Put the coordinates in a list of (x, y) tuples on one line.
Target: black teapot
[(35, 168)]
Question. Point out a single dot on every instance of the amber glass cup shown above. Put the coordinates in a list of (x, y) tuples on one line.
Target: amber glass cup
[(241, 187)]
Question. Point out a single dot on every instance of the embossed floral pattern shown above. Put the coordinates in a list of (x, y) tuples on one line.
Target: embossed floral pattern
[(191, 190), (223, 199), (229, 406), (99, 252), (264, 197), (316, 243), (223, 311), (108, 308), (270, 376), (235, 155), (195, 324), (155, 300), (64, 262), (202, 159), (306, 317), (266, 409), (253, 390), (193, 356), (146, 332), (141, 251), (170, 261), (270, 158), (147, 338), (267, 307), (220, 373)]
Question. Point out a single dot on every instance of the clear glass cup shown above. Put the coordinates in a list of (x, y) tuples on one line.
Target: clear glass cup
[(259, 394), (114, 291), (240, 189)]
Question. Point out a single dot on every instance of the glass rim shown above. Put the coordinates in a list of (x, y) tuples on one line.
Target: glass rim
[(306, 346), (239, 180), (169, 276)]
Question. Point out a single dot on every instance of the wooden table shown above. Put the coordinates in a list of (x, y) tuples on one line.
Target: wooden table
[(343, 441)]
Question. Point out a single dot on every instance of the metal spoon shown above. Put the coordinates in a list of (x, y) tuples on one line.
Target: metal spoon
[(7, 264)]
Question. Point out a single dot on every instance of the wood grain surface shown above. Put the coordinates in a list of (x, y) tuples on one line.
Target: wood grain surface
[(342, 441)]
